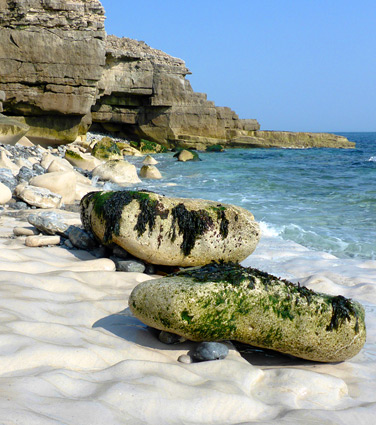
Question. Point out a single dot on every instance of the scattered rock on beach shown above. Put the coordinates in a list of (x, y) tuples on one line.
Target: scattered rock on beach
[(60, 182), (48, 222), (128, 265), (25, 231), (186, 155), (150, 172), (170, 231), (38, 196), (81, 239), (228, 302), (117, 171), (5, 194), (36, 241), (185, 358), (210, 351), (170, 338), (149, 160)]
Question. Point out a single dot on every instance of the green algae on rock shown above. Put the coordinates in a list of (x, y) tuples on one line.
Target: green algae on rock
[(106, 149), (229, 302), (170, 231)]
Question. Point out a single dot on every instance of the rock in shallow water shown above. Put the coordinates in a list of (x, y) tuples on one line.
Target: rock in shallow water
[(210, 351), (170, 231), (229, 302)]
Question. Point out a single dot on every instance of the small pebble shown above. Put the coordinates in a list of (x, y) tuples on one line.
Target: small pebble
[(118, 251), (35, 241), (48, 222), (210, 351), (170, 338), (184, 358), (128, 265)]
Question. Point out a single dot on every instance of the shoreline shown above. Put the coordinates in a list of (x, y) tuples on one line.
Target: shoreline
[(73, 350)]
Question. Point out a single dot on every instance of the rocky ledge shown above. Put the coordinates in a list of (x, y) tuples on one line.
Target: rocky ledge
[(60, 72)]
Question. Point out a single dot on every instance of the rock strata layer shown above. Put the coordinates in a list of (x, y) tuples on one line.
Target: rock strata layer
[(229, 302), (170, 231), (52, 57)]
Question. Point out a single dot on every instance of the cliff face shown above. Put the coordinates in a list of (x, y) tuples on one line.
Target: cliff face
[(59, 72), (52, 55), (144, 91)]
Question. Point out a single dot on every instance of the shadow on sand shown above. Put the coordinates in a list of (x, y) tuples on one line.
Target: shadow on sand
[(128, 327)]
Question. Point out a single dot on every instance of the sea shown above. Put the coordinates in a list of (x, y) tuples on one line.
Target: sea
[(323, 199)]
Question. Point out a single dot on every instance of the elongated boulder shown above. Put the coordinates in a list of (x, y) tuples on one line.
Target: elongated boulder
[(170, 231), (229, 302)]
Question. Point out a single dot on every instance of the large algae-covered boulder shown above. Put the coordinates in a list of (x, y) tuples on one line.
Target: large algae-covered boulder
[(170, 231), (229, 302)]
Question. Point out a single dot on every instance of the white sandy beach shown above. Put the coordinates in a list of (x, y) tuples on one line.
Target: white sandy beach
[(71, 353)]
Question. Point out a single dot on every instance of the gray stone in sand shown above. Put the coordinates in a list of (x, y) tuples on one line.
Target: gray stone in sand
[(25, 174), (169, 338), (48, 222), (128, 265), (185, 358), (81, 239), (7, 178), (210, 351)]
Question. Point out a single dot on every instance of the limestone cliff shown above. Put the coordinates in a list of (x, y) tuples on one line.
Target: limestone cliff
[(59, 72), (52, 53), (143, 91)]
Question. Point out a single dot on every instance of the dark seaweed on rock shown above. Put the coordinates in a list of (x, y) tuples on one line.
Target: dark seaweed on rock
[(191, 225), (109, 206), (342, 308)]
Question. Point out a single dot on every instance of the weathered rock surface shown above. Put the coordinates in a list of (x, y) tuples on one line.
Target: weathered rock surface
[(288, 139), (5, 194), (38, 196), (106, 149), (60, 182), (52, 55), (170, 231), (117, 171), (11, 130), (143, 91), (35, 241), (82, 160), (150, 172), (228, 302), (48, 222), (149, 160)]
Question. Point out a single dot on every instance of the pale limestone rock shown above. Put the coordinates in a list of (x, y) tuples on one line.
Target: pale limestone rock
[(24, 141), (229, 302), (117, 171), (35, 241), (5, 162), (38, 196), (150, 172), (56, 165), (25, 231), (149, 160), (185, 155), (170, 231), (62, 183), (83, 189), (81, 160), (130, 151), (5, 194), (22, 162)]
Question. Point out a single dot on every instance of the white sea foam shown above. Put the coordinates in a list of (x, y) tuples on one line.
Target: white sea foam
[(71, 352), (372, 159)]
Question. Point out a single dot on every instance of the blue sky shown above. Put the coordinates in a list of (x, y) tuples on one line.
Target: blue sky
[(299, 65)]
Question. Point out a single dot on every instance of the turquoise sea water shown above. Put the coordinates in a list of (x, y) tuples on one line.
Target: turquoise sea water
[(324, 199)]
